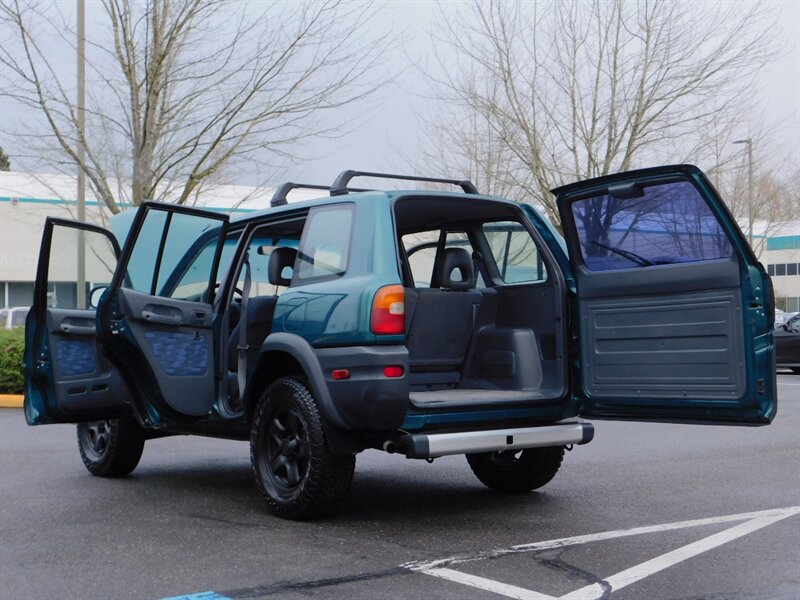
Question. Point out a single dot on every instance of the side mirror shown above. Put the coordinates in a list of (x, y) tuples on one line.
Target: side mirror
[(95, 294)]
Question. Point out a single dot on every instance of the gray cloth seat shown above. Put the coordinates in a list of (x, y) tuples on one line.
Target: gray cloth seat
[(442, 319), (261, 309)]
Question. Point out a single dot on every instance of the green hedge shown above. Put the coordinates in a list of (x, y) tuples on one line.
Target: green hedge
[(12, 343)]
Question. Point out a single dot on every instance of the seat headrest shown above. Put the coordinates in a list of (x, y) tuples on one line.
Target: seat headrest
[(452, 260), (279, 259)]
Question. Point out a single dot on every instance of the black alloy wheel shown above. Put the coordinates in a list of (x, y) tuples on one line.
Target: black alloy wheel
[(110, 447), (295, 470)]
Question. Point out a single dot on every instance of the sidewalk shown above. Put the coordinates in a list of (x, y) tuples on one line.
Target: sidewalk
[(10, 401)]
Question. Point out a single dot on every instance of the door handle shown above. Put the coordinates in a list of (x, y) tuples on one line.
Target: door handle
[(79, 329), (149, 315)]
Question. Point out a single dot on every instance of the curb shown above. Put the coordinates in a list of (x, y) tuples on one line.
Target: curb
[(11, 400)]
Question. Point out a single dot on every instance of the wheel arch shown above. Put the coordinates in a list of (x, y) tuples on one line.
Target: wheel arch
[(285, 354)]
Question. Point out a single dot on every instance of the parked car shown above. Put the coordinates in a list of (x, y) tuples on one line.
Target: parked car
[(317, 330), (787, 344), (13, 317), (781, 317)]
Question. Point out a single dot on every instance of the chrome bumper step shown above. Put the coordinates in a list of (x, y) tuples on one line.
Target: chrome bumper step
[(433, 445)]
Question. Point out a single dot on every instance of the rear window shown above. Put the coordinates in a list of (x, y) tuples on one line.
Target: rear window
[(664, 223)]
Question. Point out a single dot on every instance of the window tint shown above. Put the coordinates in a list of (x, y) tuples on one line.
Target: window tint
[(152, 269), (194, 279), (514, 252), (325, 245), (667, 223)]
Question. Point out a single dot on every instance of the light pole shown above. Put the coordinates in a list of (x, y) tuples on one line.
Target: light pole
[(750, 209), (81, 115)]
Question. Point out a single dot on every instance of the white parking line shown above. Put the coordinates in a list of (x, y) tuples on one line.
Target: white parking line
[(753, 522)]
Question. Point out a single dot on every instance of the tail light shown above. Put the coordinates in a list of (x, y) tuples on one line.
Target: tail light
[(388, 311)]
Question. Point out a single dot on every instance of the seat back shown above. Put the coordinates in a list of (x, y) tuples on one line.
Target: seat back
[(443, 319)]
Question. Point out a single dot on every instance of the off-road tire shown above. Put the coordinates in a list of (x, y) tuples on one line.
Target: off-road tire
[(295, 471), (513, 472), (110, 448)]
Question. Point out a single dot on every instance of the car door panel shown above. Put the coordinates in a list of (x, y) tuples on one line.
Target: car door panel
[(175, 337), (689, 343), (84, 379), (67, 376), (157, 323), (672, 304)]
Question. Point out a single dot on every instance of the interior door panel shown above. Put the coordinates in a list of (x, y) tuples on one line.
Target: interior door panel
[(684, 344), (176, 339), (84, 379)]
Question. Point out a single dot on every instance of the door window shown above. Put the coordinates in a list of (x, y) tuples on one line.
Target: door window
[(646, 225), (168, 258), (79, 261)]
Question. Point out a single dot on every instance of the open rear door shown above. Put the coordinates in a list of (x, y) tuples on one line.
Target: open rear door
[(675, 312), (156, 322), (67, 377)]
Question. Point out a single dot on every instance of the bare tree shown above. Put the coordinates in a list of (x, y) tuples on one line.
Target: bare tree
[(572, 90), (181, 89)]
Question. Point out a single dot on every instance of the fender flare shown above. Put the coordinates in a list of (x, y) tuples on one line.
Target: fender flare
[(299, 349)]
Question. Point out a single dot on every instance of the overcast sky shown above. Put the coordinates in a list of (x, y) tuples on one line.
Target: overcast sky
[(390, 132), (375, 145)]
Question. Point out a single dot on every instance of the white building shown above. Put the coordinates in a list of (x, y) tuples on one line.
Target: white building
[(26, 199)]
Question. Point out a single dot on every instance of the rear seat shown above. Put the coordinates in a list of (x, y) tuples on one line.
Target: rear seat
[(441, 321)]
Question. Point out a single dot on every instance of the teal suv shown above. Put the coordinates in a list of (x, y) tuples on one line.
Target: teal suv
[(419, 323)]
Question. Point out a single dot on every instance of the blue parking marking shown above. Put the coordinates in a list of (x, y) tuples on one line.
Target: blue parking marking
[(199, 596)]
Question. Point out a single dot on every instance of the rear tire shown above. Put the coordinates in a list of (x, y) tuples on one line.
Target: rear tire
[(110, 448), (514, 472), (295, 471)]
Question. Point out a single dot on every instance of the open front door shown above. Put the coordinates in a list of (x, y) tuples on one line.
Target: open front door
[(675, 312), (156, 321), (67, 378)]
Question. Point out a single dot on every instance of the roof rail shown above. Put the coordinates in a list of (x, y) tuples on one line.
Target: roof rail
[(340, 187), (279, 197)]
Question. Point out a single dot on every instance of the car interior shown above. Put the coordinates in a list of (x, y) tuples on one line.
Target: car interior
[(484, 316)]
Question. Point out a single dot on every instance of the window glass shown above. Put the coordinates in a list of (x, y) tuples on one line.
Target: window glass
[(77, 254), (421, 251), (771, 270), (18, 317), (665, 223), (20, 293), (194, 279), (189, 243), (791, 269), (260, 248), (780, 270), (325, 245), (515, 253)]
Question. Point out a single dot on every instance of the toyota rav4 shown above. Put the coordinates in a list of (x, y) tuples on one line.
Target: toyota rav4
[(421, 323)]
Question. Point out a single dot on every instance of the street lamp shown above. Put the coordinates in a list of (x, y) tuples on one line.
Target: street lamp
[(750, 212)]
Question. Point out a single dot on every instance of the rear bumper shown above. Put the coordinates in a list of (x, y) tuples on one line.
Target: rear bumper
[(433, 445)]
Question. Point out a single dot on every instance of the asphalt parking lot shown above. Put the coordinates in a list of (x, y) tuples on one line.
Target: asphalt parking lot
[(652, 511)]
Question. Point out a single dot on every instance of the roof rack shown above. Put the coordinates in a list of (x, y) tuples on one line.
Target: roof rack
[(340, 188), (279, 197)]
